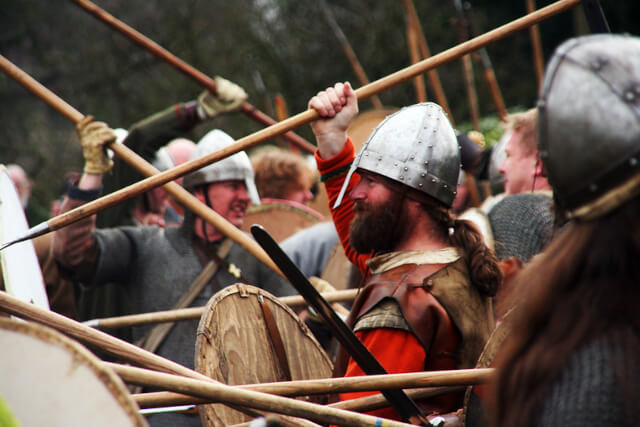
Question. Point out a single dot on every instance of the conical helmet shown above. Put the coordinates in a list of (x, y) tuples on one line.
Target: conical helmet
[(589, 123), (233, 167), (415, 146)]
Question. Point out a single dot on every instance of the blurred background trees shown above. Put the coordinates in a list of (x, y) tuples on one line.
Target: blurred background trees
[(269, 47)]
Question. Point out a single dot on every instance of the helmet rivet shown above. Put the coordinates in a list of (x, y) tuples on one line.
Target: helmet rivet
[(593, 187), (430, 145), (406, 168), (395, 164), (412, 157), (630, 95), (426, 162), (445, 186), (420, 185), (401, 177), (423, 174), (455, 192), (433, 180), (633, 161)]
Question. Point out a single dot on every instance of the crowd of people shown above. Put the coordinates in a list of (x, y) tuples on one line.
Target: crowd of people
[(548, 259)]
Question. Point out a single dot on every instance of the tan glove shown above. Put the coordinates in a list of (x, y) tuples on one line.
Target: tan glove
[(229, 98), (94, 137)]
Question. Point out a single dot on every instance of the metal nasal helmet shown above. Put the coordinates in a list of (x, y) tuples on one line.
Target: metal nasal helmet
[(415, 146), (589, 123), (233, 167)]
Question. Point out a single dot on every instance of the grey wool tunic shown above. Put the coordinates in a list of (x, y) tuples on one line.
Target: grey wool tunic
[(156, 266)]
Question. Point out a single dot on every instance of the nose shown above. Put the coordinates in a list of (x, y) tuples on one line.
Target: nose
[(501, 166), (308, 196), (358, 192), (242, 193)]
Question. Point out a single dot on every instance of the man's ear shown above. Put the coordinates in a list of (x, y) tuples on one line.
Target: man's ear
[(539, 167), (199, 193)]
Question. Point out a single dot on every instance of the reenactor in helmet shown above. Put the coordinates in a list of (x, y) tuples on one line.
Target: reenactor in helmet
[(158, 266), (428, 277), (572, 357)]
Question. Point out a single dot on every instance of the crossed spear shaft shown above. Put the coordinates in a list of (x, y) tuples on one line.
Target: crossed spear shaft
[(293, 122), (185, 68)]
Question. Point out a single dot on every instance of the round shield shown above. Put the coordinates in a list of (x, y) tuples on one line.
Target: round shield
[(20, 268), (339, 271), (247, 336), (281, 218), (48, 379)]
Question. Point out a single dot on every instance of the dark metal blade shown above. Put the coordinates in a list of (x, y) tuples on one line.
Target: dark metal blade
[(367, 362)]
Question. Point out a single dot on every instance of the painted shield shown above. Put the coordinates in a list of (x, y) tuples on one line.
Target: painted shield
[(20, 268), (51, 380), (281, 218), (236, 345)]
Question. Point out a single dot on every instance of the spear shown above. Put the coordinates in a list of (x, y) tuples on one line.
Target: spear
[(363, 404), (140, 164), (489, 73), (348, 51), (197, 312), (200, 385), (298, 120), (534, 33), (308, 387), (467, 66), (414, 53), (185, 68)]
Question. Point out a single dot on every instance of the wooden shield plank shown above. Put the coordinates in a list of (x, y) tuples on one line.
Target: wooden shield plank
[(49, 379), (281, 218), (234, 347)]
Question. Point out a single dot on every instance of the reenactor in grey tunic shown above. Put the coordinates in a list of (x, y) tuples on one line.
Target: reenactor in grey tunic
[(157, 266)]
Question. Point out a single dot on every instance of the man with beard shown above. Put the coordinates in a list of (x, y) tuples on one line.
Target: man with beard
[(165, 268), (428, 277)]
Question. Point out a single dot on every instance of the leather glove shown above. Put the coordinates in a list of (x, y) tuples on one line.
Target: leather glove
[(229, 98), (94, 137)]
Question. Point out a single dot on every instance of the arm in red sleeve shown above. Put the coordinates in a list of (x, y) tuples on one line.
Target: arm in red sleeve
[(334, 171)]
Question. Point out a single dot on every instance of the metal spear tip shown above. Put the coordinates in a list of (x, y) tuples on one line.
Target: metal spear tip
[(33, 232)]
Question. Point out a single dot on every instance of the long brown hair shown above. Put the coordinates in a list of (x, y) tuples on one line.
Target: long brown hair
[(586, 285)]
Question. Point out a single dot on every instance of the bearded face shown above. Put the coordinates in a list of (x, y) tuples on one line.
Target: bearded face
[(375, 225)]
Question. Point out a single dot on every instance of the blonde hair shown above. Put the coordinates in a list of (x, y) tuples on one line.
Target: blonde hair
[(525, 123)]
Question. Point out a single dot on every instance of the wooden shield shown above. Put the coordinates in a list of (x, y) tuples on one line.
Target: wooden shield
[(281, 218), (50, 380), (20, 268), (234, 346)]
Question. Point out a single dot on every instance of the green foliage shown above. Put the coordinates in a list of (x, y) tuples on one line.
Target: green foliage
[(285, 44)]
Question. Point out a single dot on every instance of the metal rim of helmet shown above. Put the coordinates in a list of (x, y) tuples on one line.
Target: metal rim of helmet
[(234, 167), (416, 146), (589, 114)]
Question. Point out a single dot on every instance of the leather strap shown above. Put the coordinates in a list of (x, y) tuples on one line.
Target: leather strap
[(276, 339), (157, 335)]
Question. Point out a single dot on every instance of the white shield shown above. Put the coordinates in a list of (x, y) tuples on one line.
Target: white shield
[(20, 267)]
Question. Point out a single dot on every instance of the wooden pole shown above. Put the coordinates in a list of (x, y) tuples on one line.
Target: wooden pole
[(298, 120), (349, 52), (141, 165), (244, 396), (489, 73), (536, 44), (414, 54), (196, 312), (467, 67), (364, 404), (185, 68), (459, 377), (432, 75), (196, 383)]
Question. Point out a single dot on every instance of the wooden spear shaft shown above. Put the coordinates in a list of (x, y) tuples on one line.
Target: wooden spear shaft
[(185, 68), (364, 404), (296, 121), (459, 377), (349, 52), (536, 43), (199, 385), (196, 312), (140, 164)]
